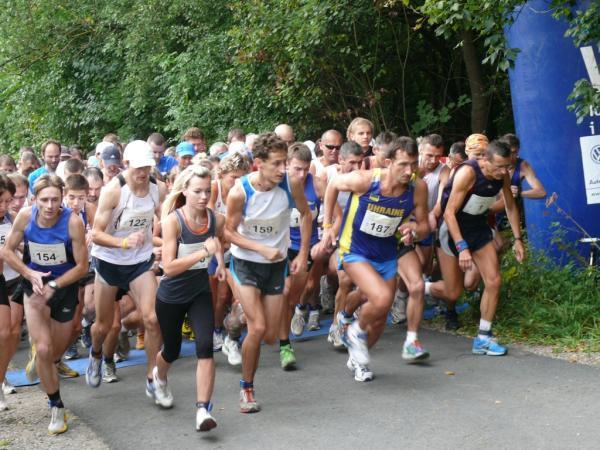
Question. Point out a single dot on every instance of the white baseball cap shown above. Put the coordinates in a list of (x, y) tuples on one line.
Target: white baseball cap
[(139, 154)]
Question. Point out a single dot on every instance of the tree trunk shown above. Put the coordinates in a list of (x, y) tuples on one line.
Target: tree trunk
[(479, 103)]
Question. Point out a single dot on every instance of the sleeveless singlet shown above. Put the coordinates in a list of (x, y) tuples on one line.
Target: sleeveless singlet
[(474, 210), (220, 205), (5, 226), (371, 220), (49, 249), (432, 179), (314, 204), (131, 214), (184, 287), (266, 219)]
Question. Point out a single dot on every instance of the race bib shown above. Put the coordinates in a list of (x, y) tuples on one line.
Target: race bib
[(478, 205), (134, 220), (47, 254), (263, 228), (187, 249), (4, 229), (379, 225), (295, 217)]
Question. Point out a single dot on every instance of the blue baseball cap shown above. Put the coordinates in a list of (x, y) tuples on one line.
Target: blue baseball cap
[(185, 149)]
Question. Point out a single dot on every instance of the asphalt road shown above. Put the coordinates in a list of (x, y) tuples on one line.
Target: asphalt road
[(456, 400)]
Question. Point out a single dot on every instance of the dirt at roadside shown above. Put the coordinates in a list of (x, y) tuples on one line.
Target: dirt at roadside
[(25, 425)]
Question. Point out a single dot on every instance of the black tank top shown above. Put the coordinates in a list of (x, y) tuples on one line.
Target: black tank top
[(474, 210), (184, 287)]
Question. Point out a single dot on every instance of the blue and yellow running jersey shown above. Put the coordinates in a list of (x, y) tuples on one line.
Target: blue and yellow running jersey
[(371, 220)]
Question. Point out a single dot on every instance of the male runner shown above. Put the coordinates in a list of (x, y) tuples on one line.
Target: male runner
[(466, 238), (257, 225), (375, 221), (122, 236), (55, 258)]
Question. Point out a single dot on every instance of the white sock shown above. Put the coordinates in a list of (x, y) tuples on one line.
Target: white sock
[(411, 336), (485, 326), (84, 322), (428, 288)]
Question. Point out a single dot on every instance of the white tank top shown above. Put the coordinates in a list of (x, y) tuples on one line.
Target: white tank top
[(5, 226), (343, 197), (220, 205), (433, 184), (131, 214), (265, 219)]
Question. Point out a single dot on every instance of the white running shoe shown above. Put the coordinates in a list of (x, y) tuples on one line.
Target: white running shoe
[(3, 405), (217, 341), (93, 373), (357, 344), (361, 373), (8, 388), (162, 393), (313, 321), (398, 310), (204, 421), (333, 337), (109, 372), (298, 321), (231, 348), (58, 421)]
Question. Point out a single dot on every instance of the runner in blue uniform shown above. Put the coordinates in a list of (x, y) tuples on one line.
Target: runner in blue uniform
[(375, 222), (55, 258)]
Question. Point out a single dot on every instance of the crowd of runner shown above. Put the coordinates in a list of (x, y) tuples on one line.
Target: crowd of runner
[(246, 242)]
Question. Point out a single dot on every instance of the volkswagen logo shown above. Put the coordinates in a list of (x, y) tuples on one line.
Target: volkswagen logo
[(595, 154)]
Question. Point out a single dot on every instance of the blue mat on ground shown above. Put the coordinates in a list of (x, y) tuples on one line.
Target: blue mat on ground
[(188, 348)]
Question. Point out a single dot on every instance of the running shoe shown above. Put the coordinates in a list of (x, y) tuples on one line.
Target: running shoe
[(313, 321), (357, 344), (398, 310), (333, 337), (186, 329), (86, 336), (361, 373), (231, 348), (452, 322), (58, 421), (71, 352), (109, 372), (287, 357), (204, 421), (3, 405), (298, 321), (140, 341), (414, 352), (217, 341), (8, 388), (93, 373), (488, 346), (162, 394), (65, 371), (248, 403), (30, 368)]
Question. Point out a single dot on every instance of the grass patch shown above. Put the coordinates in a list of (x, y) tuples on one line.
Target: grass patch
[(545, 304)]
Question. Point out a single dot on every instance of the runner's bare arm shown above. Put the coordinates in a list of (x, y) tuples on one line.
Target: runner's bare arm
[(537, 188), (109, 199), (421, 223), (512, 211)]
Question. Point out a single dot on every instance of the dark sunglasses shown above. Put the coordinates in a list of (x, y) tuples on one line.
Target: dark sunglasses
[(332, 147)]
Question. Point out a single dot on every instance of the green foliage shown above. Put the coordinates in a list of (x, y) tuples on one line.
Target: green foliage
[(75, 70), (545, 304)]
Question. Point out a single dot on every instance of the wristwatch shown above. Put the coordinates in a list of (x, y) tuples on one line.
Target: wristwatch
[(52, 284)]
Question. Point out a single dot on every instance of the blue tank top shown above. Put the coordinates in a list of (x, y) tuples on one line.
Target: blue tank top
[(49, 249), (474, 209), (314, 203), (370, 223), (184, 287)]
